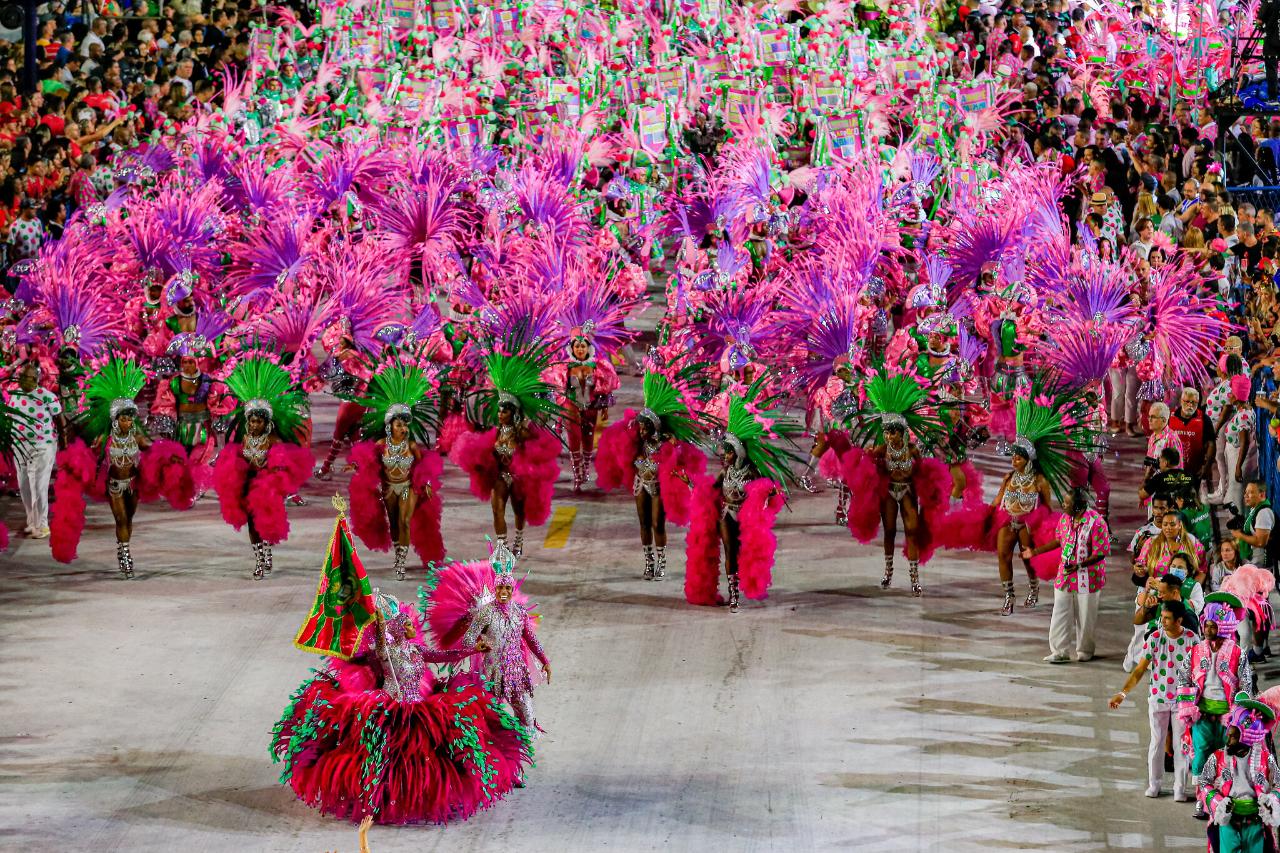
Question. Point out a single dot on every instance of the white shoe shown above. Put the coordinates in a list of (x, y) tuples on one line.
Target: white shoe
[(1083, 658), (1182, 797), (42, 533), (1153, 792), (1056, 659), (28, 529)]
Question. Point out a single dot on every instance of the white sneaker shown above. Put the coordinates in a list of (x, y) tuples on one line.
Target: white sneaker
[(1056, 659), (1181, 797), (1082, 657), (42, 533), (1153, 792)]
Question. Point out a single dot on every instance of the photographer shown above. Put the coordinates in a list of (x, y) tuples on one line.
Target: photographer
[(1254, 532)]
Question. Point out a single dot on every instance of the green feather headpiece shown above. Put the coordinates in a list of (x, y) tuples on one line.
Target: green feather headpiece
[(900, 399), (1052, 420), (398, 391), (515, 373), (750, 426), (109, 393), (665, 409), (265, 388)]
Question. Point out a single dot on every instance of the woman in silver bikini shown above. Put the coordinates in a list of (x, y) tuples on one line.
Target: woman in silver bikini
[(1024, 488), (898, 458), (123, 447), (398, 454), (512, 431)]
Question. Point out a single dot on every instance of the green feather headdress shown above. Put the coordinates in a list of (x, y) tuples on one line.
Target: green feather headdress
[(265, 388), (109, 393), (1052, 420), (898, 398), (750, 426), (515, 374), (665, 408), (400, 391)]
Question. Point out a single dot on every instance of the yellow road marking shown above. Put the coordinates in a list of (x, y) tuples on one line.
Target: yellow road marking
[(561, 524)]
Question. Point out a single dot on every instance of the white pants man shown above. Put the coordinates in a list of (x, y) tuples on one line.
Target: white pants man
[(1124, 394), (35, 465), (1160, 717), (1075, 615)]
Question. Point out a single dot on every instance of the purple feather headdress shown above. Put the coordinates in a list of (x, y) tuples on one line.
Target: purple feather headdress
[(1083, 351), (210, 325)]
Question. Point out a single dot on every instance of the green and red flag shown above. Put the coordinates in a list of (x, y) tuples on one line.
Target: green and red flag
[(344, 605)]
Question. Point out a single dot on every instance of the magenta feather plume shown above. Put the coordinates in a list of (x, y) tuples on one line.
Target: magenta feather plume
[(271, 258), (1186, 327)]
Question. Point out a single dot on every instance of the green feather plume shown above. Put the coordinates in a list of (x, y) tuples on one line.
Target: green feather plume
[(664, 399), (899, 394), (754, 423), (119, 378), (401, 385), (515, 371), (1053, 415), (260, 378)]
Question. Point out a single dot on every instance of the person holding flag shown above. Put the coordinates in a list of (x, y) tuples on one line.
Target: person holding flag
[(375, 733)]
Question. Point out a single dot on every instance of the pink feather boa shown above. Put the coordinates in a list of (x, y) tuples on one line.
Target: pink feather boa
[(165, 473), (229, 476), (616, 452), (424, 525), (961, 528), (473, 453), (758, 543), (535, 466), (866, 484), (368, 513), (830, 461), (453, 426), (288, 467), (77, 474), (677, 495), (1002, 424), (932, 484), (702, 544), (1043, 523)]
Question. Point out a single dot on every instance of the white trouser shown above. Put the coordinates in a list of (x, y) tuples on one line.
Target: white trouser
[(1136, 645), (1124, 394), (35, 465), (1160, 716), (1075, 614), (1234, 491)]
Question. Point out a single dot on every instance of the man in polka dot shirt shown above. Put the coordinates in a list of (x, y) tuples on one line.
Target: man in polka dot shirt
[(36, 446), (1166, 651)]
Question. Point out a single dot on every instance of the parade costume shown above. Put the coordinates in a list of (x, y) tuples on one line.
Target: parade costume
[(1238, 782), (738, 509), (893, 434), (395, 492), (826, 320), (1051, 421), (261, 463), (1253, 586), (656, 452), (467, 602), (586, 380), (14, 423), (376, 732), (515, 459), (186, 403), (1215, 672), (120, 464)]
